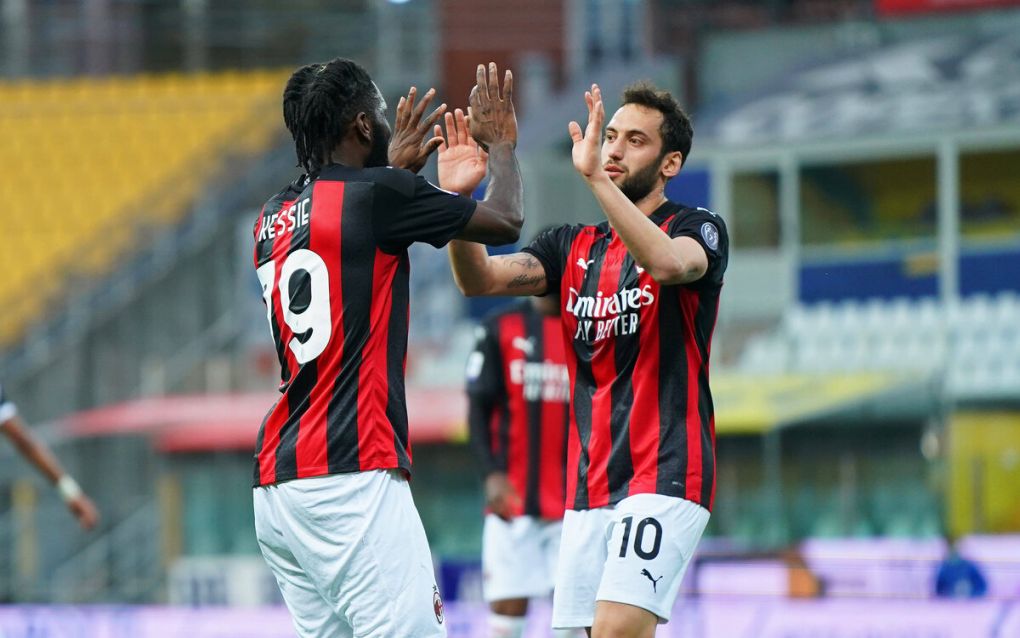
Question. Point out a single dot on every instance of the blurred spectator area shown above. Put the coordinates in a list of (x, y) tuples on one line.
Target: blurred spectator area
[(93, 168)]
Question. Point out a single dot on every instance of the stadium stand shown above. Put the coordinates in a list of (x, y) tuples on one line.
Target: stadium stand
[(99, 163), (976, 343)]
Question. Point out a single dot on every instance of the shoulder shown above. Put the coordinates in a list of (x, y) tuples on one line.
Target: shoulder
[(710, 226), (398, 180)]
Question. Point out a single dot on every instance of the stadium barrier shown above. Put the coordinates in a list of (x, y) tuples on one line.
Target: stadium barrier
[(722, 617)]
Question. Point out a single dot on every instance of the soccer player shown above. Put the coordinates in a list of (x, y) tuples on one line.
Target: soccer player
[(36, 452), (333, 511), (639, 296), (518, 394)]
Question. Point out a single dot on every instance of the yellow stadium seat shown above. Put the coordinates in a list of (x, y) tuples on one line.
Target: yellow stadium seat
[(105, 158)]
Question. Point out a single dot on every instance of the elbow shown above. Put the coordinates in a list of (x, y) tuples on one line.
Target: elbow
[(508, 233), (470, 289), (671, 272)]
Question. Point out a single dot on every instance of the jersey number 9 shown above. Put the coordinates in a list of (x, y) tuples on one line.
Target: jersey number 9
[(312, 318)]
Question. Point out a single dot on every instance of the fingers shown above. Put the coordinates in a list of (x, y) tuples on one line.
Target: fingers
[(437, 131), (432, 118), (452, 139), (419, 109), (508, 86), (404, 108), (432, 144), (461, 127), (493, 82), (481, 85), (575, 132)]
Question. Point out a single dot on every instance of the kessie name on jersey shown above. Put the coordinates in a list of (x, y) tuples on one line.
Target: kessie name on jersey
[(285, 221)]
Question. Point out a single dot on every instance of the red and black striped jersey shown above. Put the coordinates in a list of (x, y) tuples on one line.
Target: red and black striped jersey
[(331, 255), (518, 394), (641, 409)]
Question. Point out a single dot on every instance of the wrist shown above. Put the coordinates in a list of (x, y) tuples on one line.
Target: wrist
[(503, 144), (68, 488)]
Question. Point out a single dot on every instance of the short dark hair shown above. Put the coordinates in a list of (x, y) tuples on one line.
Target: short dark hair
[(319, 103), (676, 129)]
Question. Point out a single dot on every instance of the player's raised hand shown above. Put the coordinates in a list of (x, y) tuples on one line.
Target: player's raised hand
[(491, 116), (587, 144), (500, 497), (84, 510), (408, 147), (462, 162)]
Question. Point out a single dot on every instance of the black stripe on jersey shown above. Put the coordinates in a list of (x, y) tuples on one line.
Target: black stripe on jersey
[(535, 329), (357, 248), (300, 390), (583, 399), (396, 402), (258, 443), (265, 253), (503, 456), (705, 319), (621, 463), (672, 475)]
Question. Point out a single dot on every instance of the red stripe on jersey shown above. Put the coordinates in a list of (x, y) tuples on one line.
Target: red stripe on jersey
[(376, 442), (512, 327), (603, 371), (553, 420), (689, 307), (570, 284), (324, 239), (280, 412), (645, 426)]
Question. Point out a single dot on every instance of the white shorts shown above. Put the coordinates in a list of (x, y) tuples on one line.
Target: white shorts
[(518, 557), (634, 552), (350, 556)]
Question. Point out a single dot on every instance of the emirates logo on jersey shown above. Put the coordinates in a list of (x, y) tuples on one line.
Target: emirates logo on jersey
[(601, 317), (542, 380)]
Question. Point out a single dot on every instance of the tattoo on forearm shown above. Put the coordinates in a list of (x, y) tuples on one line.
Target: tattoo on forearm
[(524, 281), (525, 261)]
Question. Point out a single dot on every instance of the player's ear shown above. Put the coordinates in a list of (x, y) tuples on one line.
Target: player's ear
[(671, 164), (363, 127)]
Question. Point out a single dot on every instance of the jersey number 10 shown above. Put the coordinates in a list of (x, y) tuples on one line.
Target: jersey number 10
[(313, 319)]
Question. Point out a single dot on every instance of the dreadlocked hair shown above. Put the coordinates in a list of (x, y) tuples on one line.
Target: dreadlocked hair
[(319, 103), (293, 94)]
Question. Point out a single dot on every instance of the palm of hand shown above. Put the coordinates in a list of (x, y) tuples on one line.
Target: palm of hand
[(585, 154), (461, 168)]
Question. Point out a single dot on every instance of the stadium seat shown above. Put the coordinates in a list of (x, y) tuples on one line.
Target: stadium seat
[(134, 152)]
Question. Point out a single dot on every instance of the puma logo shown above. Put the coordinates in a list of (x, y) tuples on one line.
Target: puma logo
[(584, 263), (639, 269), (655, 581)]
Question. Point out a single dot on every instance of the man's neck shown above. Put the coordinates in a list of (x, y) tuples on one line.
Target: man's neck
[(651, 202), (348, 156)]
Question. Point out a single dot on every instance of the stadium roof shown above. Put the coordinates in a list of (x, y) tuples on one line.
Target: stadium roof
[(935, 85)]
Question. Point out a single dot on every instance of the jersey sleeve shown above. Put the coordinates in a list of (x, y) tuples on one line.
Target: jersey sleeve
[(7, 409), (485, 389), (551, 247), (413, 210), (709, 230)]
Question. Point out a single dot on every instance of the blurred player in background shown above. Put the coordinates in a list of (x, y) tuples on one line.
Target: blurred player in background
[(639, 298), (36, 453), (518, 394), (333, 511)]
